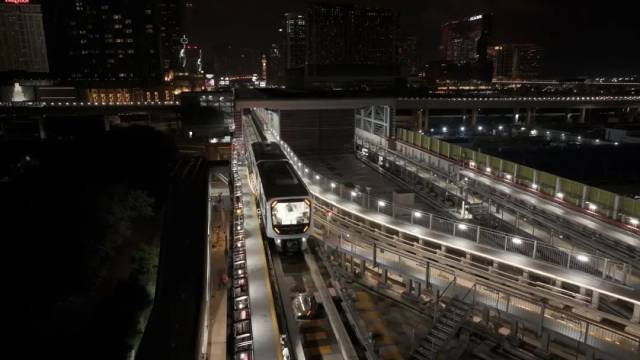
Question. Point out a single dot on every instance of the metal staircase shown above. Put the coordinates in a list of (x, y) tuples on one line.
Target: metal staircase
[(445, 328)]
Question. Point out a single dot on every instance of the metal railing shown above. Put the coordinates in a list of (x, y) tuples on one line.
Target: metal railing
[(533, 314), (590, 263)]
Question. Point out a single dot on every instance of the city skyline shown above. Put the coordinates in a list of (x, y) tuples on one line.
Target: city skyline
[(597, 48)]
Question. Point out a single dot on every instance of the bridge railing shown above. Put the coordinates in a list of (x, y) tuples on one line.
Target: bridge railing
[(563, 257)]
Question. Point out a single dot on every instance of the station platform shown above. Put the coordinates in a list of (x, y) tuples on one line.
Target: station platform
[(553, 207), (571, 276), (390, 261), (264, 323)]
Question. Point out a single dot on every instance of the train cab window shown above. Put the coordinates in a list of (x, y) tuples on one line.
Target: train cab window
[(290, 212)]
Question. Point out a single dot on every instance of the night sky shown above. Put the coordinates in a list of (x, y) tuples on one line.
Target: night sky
[(581, 37)]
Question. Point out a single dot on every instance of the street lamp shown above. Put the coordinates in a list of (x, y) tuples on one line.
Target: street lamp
[(381, 204)]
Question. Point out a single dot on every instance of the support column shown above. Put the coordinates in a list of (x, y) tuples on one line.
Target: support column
[(515, 173), (583, 115), (409, 286), (516, 116), (363, 267), (425, 120), (384, 278), (474, 117), (635, 317), (43, 133), (558, 188), (616, 206), (535, 177), (568, 115), (529, 116), (595, 299), (418, 286), (583, 201)]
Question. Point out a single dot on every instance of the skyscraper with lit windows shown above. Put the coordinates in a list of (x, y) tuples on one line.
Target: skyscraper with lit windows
[(22, 39), (121, 40)]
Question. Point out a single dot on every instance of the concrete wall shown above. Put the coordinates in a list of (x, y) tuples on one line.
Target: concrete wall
[(311, 131)]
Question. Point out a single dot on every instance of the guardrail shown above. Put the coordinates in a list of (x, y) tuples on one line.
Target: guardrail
[(584, 261), (569, 258), (622, 210), (534, 314)]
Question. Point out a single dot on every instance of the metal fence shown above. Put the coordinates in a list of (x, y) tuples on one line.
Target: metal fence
[(565, 257), (532, 314)]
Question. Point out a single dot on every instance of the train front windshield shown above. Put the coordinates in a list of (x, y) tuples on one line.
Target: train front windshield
[(297, 212)]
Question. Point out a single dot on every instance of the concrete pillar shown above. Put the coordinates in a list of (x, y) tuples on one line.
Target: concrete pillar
[(583, 201), (515, 173), (418, 286), (544, 344), (385, 276), (425, 120), (635, 317), (583, 291), (529, 116), (408, 286), (616, 206), (583, 115), (474, 117), (363, 267), (595, 299), (558, 189), (43, 133), (535, 176)]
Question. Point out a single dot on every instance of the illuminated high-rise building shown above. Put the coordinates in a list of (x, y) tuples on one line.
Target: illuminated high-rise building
[(466, 40), (294, 40), (120, 40), (350, 44), (22, 39), (517, 61)]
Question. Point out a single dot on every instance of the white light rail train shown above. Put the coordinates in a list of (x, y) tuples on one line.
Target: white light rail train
[(285, 203)]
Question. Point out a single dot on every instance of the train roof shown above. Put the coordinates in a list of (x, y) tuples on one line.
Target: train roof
[(267, 151), (279, 179)]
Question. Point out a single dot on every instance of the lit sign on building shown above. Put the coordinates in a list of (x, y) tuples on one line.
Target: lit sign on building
[(16, 1), (477, 17)]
